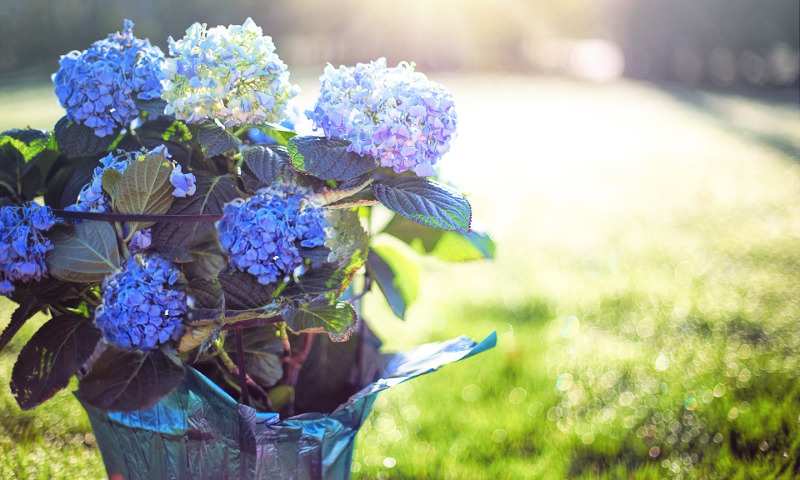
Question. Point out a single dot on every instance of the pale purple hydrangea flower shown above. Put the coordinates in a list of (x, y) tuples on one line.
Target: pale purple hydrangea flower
[(394, 114), (228, 73), (98, 86), (184, 183)]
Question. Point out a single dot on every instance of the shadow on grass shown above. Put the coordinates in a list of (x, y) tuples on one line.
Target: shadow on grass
[(713, 103)]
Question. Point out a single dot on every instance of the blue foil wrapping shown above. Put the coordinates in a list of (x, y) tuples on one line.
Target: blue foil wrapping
[(200, 432)]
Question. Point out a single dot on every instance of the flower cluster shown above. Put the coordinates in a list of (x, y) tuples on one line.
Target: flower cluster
[(263, 234), (97, 87), (394, 114), (232, 74), (142, 306), (91, 197), (22, 244)]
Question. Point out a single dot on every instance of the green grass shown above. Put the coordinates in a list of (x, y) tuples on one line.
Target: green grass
[(646, 295)]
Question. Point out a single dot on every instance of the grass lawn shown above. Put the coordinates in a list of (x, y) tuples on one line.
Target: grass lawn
[(646, 295)]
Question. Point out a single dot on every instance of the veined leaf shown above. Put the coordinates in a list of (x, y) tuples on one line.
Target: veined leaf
[(243, 292), (127, 380), (318, 281), (50, 358), (168, 132), (80, 141), (427, 202), (199, 333), (85, 253), (144, 188), (26, 157), (263, 354), (328, 158), (337, 319), (174, 239), (110, 181), (153, 106), (216, 140), (265, 166), (348, 243)]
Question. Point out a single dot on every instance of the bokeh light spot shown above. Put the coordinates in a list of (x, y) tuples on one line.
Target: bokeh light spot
[(470, 393), (662, 363), (570, 327), (564, 382)]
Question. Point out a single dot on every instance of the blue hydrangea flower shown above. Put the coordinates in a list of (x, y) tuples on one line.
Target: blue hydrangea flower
[(229, 73), (97, 87), (22, 244), (91, 197), (395, 114), (263, 234), (142, 305)]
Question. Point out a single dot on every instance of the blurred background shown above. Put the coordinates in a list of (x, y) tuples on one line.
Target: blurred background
[(638, 164)]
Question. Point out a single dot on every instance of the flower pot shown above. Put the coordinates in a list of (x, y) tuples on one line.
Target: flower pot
[(200, 432)]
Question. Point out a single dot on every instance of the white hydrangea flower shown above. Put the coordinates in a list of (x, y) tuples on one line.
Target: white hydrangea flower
[(232, 74)]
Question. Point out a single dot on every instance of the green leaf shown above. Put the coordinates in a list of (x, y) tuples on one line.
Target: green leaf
[(209, 303), (153, 106), (448, 246), (278, 133), (145, 188), (168, 132), (364, 198), (243, 292), (422, 238), (27, 309), (50, 358), (464, 247), (127, 380), (216, 140), (348, 243), (318, 281), (333, 371), (337, 319), (345, 189), (427, 202), (397, 277), (174, 239), (207, 258), (26, 157), (12, 162), (80, 141), (280, 397), (110, 181), (85, 253), (264, 166), (263, 354), (70, 176), (328, 158)]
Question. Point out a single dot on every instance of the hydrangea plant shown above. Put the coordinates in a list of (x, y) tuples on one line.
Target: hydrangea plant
[(174, 217)]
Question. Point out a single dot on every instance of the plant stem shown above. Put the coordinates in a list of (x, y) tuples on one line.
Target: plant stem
[(293, 363), (249, 382)]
